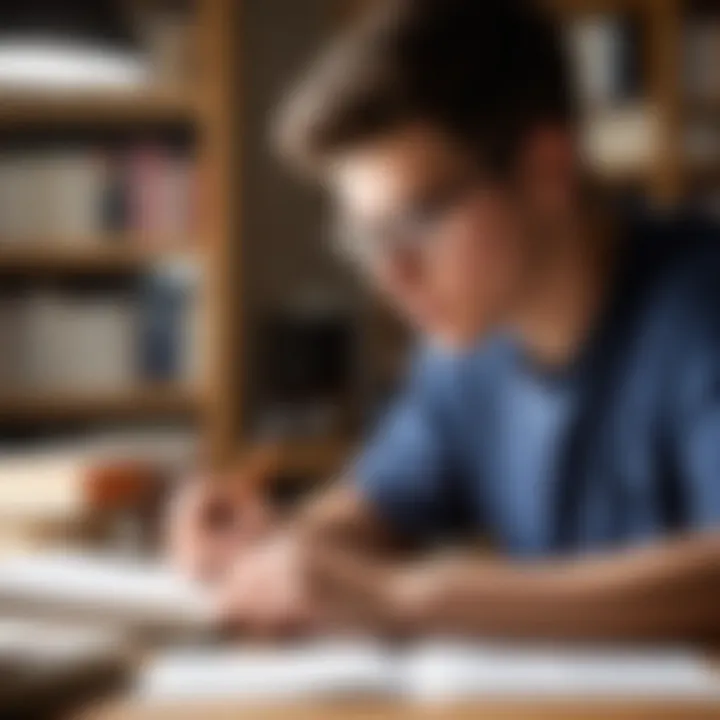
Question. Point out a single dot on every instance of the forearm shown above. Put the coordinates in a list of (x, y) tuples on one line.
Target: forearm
[(663, 593), (339, 517)]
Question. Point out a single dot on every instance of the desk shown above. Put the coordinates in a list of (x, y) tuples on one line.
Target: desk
[(514, 710), (493, 709)]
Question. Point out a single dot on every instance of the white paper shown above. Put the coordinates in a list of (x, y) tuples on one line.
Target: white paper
[(427, 673), (322, 670), (108, 588), (451, 671)]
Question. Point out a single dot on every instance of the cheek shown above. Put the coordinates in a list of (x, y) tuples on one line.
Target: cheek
[(478, 264), (464, 285)]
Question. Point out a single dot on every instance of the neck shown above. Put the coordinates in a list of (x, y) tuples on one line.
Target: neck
[(558, 313)]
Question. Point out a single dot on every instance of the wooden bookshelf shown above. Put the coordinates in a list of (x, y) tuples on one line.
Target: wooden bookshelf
[(101, 256), (669, 176), (212, 110), (140, 403), (209, 109), (23, 109)]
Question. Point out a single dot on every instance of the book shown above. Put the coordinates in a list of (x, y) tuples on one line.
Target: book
[(607, 56), (169, 342), (134, 596), (78, 344), (427, 672), (84, 195)]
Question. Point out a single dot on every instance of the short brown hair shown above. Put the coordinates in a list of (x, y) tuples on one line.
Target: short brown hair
[(485, 71)]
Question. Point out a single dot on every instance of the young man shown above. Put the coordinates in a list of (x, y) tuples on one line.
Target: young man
[(565, 397)]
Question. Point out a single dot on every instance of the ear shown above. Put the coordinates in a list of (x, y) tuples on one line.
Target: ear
[(548, 168)]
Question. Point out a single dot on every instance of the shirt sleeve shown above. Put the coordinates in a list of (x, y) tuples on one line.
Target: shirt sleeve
[(699, 448), (403, 470), (697, 414)]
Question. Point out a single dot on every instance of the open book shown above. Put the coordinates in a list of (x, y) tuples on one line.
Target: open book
[(130, 595), (428, 672)]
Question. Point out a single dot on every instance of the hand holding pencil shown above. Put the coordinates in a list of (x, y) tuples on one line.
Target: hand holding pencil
[(213, 518)]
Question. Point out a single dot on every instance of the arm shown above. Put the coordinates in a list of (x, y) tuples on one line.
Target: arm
[(340, 516), (666, 592), (395, 490)]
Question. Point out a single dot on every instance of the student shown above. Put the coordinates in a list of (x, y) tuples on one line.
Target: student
[(565, 395)]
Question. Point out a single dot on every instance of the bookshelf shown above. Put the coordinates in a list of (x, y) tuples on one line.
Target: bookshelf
[(671, 176), (21, 109), (102, 255), (136, 405), (210, 110), (207, 110)]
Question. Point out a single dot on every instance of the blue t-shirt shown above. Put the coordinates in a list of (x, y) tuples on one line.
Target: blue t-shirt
[(619, 448)]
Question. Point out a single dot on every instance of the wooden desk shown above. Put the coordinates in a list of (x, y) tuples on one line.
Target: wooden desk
[(494, 710), (128, 709)]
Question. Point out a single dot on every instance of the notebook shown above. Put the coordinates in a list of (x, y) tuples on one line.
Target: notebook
[(427, 672), (132, 595)]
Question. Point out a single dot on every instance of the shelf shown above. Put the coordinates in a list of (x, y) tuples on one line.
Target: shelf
[(138, 403), (106, 256), (24, 109), (572, 7)]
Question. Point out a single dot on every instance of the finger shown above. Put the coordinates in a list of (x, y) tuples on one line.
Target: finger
[(356, 591), (349, 573)]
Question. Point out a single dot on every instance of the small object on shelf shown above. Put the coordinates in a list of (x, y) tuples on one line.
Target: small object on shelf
[(623, 141), (77, 45), (606, 52)]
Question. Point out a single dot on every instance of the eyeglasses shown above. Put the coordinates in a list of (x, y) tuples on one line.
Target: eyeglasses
[(412, 230)]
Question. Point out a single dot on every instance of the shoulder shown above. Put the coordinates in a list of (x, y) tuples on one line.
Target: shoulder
[(679, 261), (677, 267), (678, 255)]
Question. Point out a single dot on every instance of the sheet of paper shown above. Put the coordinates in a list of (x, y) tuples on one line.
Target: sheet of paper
[(450, 671), (102, 588), (318, 670), (427, 673)]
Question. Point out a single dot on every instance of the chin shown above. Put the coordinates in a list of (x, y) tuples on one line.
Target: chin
[(461, 337), (454, 341)]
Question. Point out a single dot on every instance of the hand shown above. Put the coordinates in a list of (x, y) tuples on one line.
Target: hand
[(213, 519), (270, 591), (291, 585)]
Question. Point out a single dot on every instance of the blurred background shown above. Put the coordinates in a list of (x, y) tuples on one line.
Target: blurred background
[(167, 299)]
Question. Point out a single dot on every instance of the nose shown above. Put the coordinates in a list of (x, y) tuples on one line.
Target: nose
[(404, 275), (402, 270)]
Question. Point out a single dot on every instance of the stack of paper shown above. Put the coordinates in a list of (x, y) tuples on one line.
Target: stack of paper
[(322, 670), (450, 671), (131, 595)]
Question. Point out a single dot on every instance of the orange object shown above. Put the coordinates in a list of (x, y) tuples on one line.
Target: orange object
[(119, 486)]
